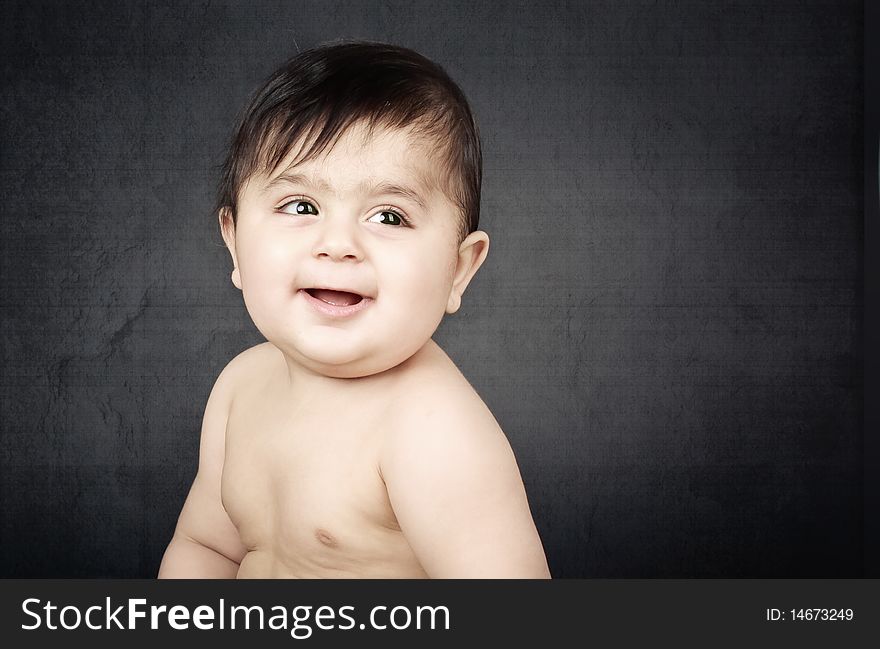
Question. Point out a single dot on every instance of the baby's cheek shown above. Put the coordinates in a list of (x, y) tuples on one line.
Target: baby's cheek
[(433, 294), (270, 260), (275, 253)]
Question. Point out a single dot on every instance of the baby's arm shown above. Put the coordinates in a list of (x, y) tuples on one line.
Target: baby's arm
[(457, 493), (206, 543)]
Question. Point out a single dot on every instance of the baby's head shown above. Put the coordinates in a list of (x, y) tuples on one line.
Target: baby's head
[(349, 201)]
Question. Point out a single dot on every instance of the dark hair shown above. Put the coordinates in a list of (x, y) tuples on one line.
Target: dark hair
[(321, 92)]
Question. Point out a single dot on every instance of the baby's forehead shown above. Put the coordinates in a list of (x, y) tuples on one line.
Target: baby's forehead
[(384, 156)]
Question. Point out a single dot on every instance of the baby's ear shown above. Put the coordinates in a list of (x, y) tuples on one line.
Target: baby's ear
[(227, 230), (471, 255)]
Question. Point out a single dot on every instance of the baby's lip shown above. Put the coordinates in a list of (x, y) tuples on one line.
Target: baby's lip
[(324, 287)]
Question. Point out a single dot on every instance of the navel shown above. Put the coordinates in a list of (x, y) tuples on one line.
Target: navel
[(326, 538)]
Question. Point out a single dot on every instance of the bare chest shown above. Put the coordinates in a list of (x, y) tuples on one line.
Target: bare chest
[(305, 492)]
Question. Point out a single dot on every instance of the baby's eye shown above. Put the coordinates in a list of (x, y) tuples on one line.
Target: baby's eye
[(388, 217), (299, 207)]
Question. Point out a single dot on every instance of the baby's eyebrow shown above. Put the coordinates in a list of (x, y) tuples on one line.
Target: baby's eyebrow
[(396, 190), (366, 187), (295, 179)]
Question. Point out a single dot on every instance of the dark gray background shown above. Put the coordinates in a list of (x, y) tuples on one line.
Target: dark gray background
[(668, 327)]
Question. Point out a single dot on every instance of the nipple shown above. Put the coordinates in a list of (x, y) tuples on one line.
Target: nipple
[(326, 538)]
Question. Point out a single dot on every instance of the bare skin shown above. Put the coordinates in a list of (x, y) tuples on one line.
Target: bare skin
[(352, 446), (298, 497), (327, 512)]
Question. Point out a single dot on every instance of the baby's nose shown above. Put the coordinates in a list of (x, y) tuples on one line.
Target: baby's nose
[(337, 241)]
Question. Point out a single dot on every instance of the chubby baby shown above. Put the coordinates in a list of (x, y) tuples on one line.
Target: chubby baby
[(349, 445)]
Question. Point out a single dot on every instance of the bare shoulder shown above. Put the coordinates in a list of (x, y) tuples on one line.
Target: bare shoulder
[(436, 399), (454, 483), (252, 359), (441, 415), (247, 366), (227, 386)]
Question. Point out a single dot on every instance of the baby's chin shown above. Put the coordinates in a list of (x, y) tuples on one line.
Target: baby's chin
[(345, 363)]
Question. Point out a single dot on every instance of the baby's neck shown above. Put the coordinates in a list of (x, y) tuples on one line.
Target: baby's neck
[(302, 382)]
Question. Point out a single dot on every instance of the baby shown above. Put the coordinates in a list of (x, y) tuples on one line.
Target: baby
[(349, 444)]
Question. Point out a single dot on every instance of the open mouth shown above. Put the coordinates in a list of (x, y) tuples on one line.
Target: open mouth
[(335, 298)]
